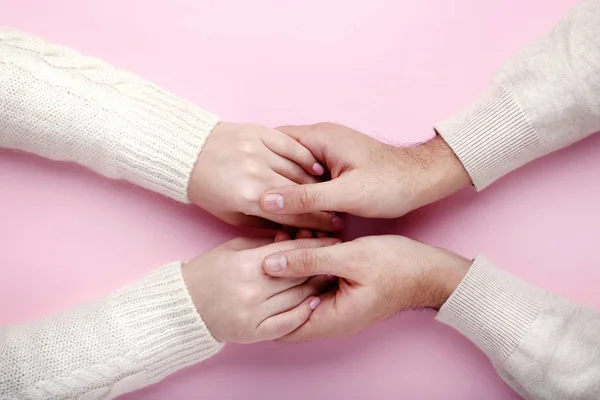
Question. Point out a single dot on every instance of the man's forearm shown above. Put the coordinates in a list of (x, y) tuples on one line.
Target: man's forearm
[(545, 98), (543, 346)]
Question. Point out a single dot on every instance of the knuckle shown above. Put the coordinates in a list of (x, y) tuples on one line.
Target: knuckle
[(305, 200), (252, 169), (249, 194), (245, 146), (306, 262)]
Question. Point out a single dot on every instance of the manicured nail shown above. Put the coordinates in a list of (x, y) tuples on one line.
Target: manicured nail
[(314, 303), (318, 169), (338, 224), (274, 202), (275, 262)]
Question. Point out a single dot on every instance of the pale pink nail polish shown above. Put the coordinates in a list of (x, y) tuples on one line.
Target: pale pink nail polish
[(318, 169), (275, 262), (273, 202), (338, 223), (314, 303)]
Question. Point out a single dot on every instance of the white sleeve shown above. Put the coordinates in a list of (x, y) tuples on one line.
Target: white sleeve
[(61, 105), (123, 342)]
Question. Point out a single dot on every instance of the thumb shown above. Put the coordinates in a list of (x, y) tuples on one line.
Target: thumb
[(302, 199), (305, 262)]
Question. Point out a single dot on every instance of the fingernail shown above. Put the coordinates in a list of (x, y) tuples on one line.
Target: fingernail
[(338, 224), (275, 263), (331, 278), (314, 303), (318, 169), (274, 202)]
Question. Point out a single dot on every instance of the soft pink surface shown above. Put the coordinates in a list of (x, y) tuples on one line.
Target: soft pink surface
[(389, 68)]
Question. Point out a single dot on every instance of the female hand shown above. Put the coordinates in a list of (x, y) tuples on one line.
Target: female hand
[(239, 302), (239, 162)]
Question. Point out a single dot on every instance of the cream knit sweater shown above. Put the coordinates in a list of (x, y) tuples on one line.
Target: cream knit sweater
[(61, 105), (545, 98)]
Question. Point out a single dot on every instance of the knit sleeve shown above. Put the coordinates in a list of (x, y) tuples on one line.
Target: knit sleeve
[(543, 345), (545, 98), (61, 105), (126, 341)]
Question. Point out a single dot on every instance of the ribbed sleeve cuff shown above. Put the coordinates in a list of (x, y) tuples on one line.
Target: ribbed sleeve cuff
[(160, 154), (168, 331), (492, 137), (492, 308)]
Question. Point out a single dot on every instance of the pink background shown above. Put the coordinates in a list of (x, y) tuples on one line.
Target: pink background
[(389, 68)]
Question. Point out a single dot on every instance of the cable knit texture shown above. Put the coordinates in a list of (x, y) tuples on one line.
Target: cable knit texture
[(61, 105), (543, 99), (128, 340)]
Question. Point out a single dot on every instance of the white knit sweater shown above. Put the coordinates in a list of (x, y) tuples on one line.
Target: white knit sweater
[(61, 105)]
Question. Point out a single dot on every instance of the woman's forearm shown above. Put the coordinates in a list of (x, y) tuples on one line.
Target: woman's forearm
[(61, 105), (123, 342)]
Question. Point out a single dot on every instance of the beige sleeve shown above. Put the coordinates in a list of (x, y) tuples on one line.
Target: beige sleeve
[(544, 346), (545, 98)]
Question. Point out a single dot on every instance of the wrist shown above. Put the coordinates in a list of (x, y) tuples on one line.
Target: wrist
[(439, 171), (448, 272), (195, 188)]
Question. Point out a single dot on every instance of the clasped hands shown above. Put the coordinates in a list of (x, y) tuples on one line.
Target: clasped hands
[(250, 290)]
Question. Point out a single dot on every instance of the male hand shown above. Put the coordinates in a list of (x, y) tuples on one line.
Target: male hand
[(378, 276), (239, 162), (368, 178)]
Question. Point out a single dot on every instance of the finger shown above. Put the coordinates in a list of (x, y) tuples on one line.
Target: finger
[(281, 324), (305, 234), (288, 299), (311, 138), (332, 260), (290, 170), (301, 199), (317, 220), (291, 149), (321, 221), (297, 244), (282, 236), (322, 323)]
